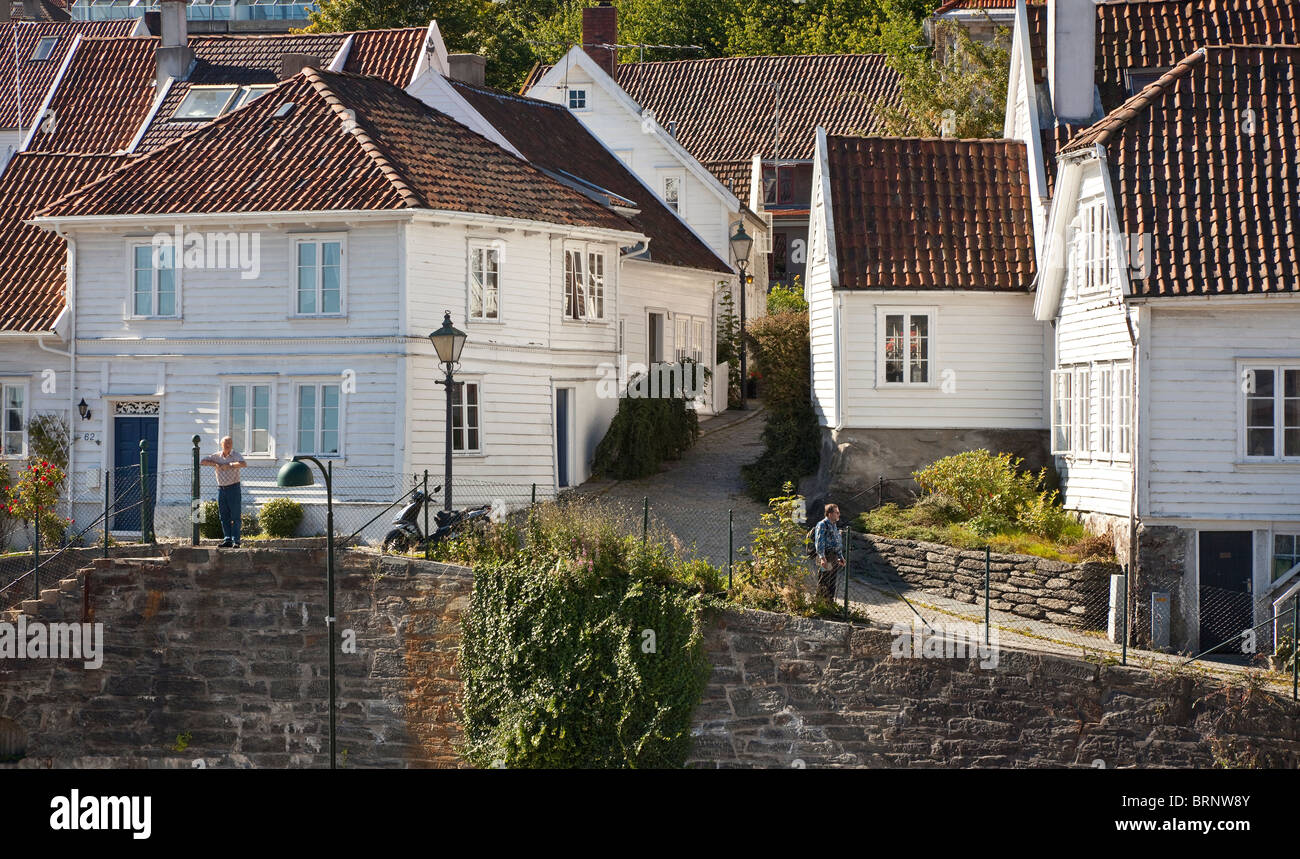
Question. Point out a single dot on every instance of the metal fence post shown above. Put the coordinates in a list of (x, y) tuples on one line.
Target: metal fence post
[(36, 554), (426, 514), (848, 551), (534, 501), (1124, 650), (106, 525), (645, 519), (987, 576), (1295, 657), (731, 545), (880, 491), (194, 492), (146, 531)]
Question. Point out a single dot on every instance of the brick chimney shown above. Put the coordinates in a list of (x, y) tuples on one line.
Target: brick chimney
[(467, 68), (174, 54), (600, 27)]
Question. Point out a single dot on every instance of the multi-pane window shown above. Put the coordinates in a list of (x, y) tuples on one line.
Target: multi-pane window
[(905, 348), (319, 417), (1286, 553), (1092, 411), (689, 342), (1062, 411), (248, 417), (465, 428), (673, 192), (1272, 411), (484, 282), (577, 99), (584, 284), (1091, 249), (15, 419), (153, 280), (319, 277), (206, 102)]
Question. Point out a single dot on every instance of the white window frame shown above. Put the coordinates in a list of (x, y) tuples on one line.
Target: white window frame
[(1084, 421), (236, 92), (1124, 400), (249, 382), (487, 246), (587, 284), (318, 239), (578, 94), (37, 56), (1091, 263), (932, 326), (1104, 409), (317, 383), (679, 177), (1279, 367), (25, 386), (463, 408), (1062, 410), (177, 269), (1273, 554)]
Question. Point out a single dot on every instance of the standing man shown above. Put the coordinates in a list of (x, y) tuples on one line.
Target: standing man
[(226, 465), (830, 554)]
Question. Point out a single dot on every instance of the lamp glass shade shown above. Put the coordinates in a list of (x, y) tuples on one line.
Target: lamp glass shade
[(448, 341), (82, 408), (294, 474), (741, 243)]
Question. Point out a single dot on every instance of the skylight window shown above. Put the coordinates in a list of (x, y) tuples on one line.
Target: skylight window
[(250, 94), (206, 102), (45, 47)]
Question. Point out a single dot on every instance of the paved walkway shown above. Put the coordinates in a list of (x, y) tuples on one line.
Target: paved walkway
[(690, 497)]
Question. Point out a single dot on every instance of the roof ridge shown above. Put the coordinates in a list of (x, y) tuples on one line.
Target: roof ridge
[(1104, 129), (368, 144), (746, 57)]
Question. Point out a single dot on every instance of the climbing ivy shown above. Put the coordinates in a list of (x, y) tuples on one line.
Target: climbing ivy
[(646, 431)]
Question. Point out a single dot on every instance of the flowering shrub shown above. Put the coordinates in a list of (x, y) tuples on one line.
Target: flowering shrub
[(36, 496)]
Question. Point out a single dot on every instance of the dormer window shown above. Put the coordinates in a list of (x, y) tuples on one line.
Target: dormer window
[(1136, 80), (577, 99), (45, 47), (206, 102), (210, 102)]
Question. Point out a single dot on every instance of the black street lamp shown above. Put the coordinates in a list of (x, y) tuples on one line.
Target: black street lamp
[(741, 243), (296, 473), (448, 341)]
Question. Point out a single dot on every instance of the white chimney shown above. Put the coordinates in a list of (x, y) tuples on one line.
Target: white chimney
[(1071, 57), (174, 54)]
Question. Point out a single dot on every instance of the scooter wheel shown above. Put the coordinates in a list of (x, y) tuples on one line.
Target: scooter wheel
[(396, 542)]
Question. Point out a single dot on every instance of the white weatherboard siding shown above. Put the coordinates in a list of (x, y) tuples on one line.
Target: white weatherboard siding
[(986, 344), (647, 157), (650, 288), (1194, 468), (822, 331)]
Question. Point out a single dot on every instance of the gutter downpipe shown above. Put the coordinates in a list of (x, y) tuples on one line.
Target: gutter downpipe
[(71, 355)]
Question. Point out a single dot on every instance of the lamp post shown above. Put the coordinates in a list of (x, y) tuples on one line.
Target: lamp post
[(448, 342), (741, 243), (296, 473)]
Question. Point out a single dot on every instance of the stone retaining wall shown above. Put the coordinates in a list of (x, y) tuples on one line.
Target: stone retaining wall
[(1076, 595)]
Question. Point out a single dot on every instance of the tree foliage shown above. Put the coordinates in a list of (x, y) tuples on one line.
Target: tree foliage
[(791, 437), (515, 34), (955, 88)]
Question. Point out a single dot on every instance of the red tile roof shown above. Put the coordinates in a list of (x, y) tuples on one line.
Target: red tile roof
[(725, 109), (37, 75), (103, 98), (1202, 163), (31, 278), (388, 54), (402, 155), (963, 5), (552, 138), (945, 214)]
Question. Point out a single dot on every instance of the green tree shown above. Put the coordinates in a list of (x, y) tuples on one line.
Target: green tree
[(954, 88)]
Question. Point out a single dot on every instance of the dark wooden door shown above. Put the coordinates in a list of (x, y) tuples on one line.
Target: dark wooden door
[(1226, 562)]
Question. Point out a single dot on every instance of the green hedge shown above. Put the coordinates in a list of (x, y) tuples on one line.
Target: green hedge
[(645, 433), (792, 437)]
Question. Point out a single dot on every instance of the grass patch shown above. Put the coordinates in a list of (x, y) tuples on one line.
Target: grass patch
[(922, 522)]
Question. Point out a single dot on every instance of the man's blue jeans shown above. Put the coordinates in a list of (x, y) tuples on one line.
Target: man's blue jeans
[(228, 504)]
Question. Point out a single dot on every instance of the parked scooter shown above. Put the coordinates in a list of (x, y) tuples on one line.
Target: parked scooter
[(407, 533)]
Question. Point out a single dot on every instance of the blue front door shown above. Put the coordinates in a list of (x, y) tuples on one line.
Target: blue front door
[(127, 435), (562, 436)]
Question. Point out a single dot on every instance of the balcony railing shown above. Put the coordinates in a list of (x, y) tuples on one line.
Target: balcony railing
[(117, 10)]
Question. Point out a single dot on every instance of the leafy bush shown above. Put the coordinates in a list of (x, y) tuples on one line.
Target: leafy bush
[(980, 482), (787, 299), (728, 346), (776, 575), (281, 517), (937, 510), (792, 437), (34, 499), (581, 647), (645, 432), (210, 527), (248, 525)]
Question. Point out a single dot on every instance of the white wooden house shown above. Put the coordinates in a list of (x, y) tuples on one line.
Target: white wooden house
[(1170, 281), (315, 341), (923, 339)]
